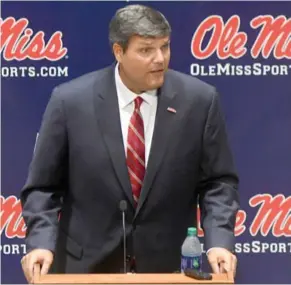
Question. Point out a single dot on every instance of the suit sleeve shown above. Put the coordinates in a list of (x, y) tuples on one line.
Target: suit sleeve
[(218, 195), (46, 183)]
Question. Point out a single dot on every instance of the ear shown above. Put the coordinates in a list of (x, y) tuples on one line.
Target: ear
[(118, 52)]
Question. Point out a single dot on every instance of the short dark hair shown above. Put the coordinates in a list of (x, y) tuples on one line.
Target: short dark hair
[(137, 20)]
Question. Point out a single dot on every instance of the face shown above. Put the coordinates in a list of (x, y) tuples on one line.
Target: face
[(144, 63)]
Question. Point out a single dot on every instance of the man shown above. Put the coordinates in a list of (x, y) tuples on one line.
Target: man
[(134, 132)]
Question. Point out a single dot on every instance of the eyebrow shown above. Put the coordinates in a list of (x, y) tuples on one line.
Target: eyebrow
[(146, 43), (150, 43)]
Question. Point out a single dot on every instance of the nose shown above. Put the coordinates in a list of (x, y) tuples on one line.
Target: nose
[(159, 57)]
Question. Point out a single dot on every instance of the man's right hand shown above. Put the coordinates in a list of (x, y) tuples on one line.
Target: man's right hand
[(43, 257)]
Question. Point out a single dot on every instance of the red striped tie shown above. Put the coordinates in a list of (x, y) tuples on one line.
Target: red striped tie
[(136, 150)]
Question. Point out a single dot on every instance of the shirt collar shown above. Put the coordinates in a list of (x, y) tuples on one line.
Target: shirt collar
[(126, 96)]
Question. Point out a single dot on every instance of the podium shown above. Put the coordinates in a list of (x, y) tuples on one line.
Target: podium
[(131, 278)]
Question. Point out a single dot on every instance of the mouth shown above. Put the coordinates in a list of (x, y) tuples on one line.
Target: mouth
[(157, 71)]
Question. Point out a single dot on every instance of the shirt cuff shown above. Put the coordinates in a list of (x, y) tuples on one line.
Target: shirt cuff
[(213, 248)]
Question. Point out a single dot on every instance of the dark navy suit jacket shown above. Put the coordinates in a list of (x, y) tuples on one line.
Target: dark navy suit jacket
[(79, 170)]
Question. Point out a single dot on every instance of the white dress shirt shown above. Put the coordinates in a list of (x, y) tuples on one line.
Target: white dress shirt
[(148, 110)]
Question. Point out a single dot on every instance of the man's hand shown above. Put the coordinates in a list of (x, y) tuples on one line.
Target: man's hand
[(43, 257), (222, 260)]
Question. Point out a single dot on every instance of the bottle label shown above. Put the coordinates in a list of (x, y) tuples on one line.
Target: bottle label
[(194, 262)]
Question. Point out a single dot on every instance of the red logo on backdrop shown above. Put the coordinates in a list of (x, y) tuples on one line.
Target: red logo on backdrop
[(273, 216), (12, 223), (18, 42), (228, 41)]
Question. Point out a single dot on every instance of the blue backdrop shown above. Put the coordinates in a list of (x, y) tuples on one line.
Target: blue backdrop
[(255, 91)]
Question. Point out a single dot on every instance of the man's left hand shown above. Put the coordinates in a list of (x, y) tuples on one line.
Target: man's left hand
[(222, 260)]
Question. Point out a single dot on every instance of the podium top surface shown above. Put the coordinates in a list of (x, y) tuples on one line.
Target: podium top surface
[(174, 278)]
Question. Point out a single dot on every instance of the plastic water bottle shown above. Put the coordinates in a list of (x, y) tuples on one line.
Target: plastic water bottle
[(191, 254)]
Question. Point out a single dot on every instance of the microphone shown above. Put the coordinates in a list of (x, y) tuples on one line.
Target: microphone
[(123, 208)]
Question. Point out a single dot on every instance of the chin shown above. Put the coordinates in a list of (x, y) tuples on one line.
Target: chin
[(157, 84), (153, 87)]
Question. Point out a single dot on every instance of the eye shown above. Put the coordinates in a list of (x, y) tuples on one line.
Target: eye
[(145, 50), (165, 46)]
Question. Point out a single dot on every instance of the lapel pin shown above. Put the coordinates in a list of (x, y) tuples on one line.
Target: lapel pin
[(172, 110)]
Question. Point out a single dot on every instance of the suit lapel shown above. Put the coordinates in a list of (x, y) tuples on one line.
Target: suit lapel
[(107, 113), (163, 125)]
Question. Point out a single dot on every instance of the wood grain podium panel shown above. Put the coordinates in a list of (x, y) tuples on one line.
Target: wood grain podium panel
[(174, 278)]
